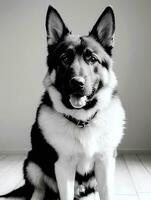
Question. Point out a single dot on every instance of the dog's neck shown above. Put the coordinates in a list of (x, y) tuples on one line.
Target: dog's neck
[(80, 123), (59, 107)]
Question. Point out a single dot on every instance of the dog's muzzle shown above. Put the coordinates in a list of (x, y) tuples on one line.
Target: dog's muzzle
[(77, 84), (77, 99)]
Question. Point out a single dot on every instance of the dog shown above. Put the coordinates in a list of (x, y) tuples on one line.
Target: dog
[(80, 120)]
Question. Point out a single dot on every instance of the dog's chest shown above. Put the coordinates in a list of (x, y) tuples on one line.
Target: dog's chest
[(66, 138), (103, 133), (85, 164)]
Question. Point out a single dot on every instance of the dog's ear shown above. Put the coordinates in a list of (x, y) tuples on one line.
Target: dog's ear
[(104, 29), (55, 26)]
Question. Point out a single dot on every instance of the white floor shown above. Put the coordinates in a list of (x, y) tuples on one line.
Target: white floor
[(132, 177)]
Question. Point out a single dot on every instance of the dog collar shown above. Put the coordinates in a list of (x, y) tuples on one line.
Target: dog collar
[(80, 123)]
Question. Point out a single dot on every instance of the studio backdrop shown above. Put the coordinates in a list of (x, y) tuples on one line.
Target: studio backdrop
[(23, 57)]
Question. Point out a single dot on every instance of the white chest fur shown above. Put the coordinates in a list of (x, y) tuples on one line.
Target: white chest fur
[(104, 133)]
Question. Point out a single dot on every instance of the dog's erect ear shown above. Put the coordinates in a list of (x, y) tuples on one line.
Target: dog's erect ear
[(55, 26), (104, 29)]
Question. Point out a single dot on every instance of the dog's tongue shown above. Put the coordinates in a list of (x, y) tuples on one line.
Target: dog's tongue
[(78, 102)]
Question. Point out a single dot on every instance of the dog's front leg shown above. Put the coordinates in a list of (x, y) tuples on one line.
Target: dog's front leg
[(104, 171), (65, 175)]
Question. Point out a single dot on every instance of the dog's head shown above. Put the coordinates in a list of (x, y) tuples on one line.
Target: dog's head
[(79, 67)]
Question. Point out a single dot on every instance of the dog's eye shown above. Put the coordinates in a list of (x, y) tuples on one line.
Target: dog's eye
[(89, 57), (65, 59), (92, 59)]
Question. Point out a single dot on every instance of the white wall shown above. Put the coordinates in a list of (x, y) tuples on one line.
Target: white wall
[(22, 63)]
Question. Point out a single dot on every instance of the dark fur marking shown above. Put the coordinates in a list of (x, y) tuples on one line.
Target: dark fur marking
[(96, 69), (45, 100), (108, 50), (24, 191), (51, 195), (115, 92), (90, 104), (99, 86), (105, 64), (88, 190), (84, 178), (40, 148), (54, 51)]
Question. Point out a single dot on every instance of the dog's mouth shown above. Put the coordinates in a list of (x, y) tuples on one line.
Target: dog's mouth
[(78, 101)]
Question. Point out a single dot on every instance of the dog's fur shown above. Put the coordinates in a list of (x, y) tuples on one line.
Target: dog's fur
[(80, 119)]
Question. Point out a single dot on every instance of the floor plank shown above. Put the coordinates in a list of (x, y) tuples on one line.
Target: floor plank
[(126, 197), (123, 182), (144, 196), (146, 161), (140, 176), (10, 173), (132, 176)]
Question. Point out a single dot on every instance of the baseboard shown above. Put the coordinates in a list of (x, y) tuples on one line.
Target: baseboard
[(13, 152), (133, 151)]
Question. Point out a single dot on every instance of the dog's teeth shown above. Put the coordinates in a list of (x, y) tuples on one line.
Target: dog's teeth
[(78, 102)]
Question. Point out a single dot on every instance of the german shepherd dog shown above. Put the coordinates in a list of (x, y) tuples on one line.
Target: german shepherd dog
[(80, 120)]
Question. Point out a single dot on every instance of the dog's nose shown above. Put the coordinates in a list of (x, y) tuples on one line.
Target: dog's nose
[(77, 82)]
